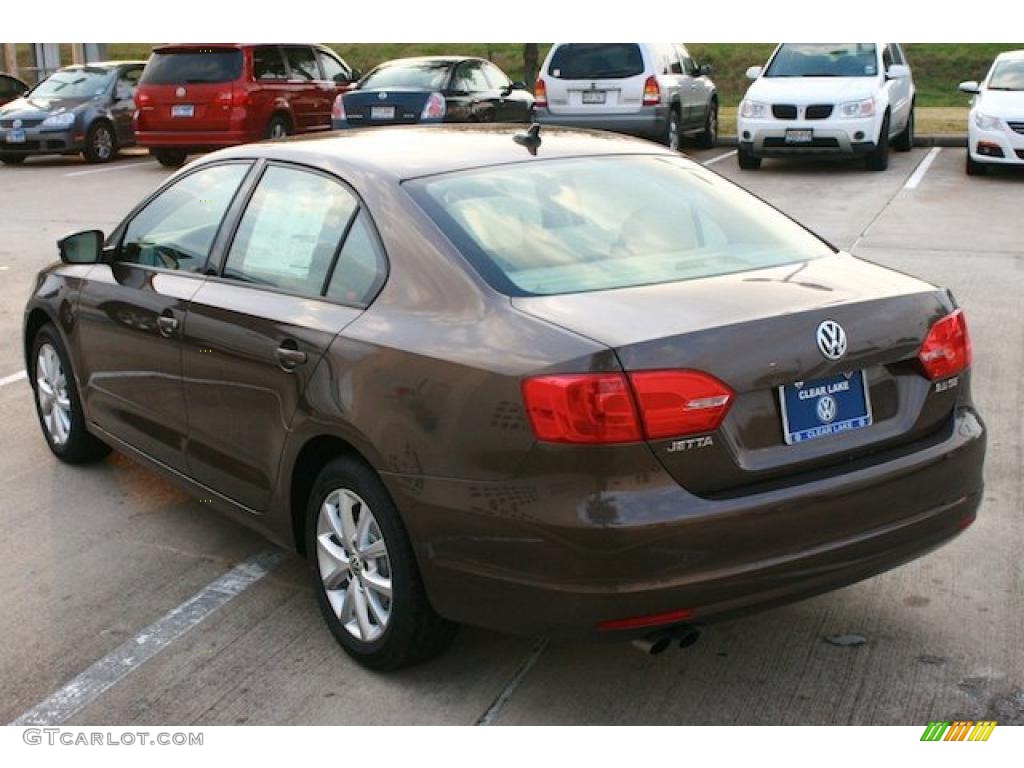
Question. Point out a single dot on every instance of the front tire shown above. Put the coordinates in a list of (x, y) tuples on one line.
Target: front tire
[(973, 167), (58, 405), (707, 138), (747, 161), (100, 143), (364, 571), (13, 159), (878, 158), (905, 141), (169, 158)]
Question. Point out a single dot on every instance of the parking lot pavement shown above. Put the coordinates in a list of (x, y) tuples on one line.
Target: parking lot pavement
[(91, 557)]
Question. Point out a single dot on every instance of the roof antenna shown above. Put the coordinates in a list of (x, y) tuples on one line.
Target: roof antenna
[(530, 139)]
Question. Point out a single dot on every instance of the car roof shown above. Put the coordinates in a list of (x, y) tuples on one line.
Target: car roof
[(1011, 55), (405, 152), (198, 46), (435, 59), (103, 65)]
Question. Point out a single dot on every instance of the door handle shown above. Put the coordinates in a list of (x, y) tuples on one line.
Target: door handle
[(167, 325), (289, 358)]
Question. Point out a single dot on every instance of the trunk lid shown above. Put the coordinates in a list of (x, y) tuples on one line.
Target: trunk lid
[(371, 106), (756, 331)]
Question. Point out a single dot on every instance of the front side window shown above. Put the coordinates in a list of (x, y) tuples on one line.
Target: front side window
[(302, 63), (333, 70), (824, 60), (469, 77), (291, 231), (495, 76), (596, 223), (176, 228), (77, 83)]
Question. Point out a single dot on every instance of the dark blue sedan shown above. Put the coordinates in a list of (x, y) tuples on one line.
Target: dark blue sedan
[(433, 89)]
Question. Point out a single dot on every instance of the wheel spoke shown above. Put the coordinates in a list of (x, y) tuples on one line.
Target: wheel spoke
[(362, 615), (349, 605), (331, 512), (379, 613), (374, 549), (379, 584), (348, 523), (337, 566)]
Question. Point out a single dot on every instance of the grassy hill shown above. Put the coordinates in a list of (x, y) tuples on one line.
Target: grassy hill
[(938, 67)]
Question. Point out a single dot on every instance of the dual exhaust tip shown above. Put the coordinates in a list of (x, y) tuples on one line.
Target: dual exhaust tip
[(658, 641)]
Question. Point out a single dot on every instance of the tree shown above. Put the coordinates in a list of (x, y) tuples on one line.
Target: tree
[(529, 62)]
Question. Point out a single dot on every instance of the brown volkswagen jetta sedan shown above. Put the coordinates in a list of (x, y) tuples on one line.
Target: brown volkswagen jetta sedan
[(566, 383)]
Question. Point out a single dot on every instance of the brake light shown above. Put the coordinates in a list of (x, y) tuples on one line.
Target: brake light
[(947, 347), (650, 620), (540, 93), (142, 98), (652, 93), (674, 403), (338, 108), (435, 107), (581, 408)]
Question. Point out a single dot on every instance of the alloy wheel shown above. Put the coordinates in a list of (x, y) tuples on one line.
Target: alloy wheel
[(673, 132), (103, 143), (52, 395), (354, 565)]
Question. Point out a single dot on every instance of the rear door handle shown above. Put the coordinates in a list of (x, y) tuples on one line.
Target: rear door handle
[(290, 358), (167, 325)]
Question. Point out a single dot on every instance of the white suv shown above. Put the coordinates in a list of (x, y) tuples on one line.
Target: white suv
[(839, 99), (995, 126)]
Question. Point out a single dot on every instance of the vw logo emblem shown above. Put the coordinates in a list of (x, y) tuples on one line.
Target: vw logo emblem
[(826, 409), (382, 95), (180, 92), (17, 124), (831, 339)]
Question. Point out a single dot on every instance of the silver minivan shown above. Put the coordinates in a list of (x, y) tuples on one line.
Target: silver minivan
[(653, 90)]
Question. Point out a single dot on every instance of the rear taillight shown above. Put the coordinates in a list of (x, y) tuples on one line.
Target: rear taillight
[(652, 93), (142, 98), (616, 408), (435, 108), (947, 347), (540, 93), (675, 403), (338, 108)]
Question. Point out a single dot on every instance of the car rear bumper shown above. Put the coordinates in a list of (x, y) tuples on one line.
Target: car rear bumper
[(849, 138), (649, 122), (194, 141), (561, 553), (39, 142), (986, 146)]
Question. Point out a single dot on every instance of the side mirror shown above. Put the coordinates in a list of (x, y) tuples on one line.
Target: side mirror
[(754, 72), (82, 247), (897, 72), (357, 75), (519, 85), (704, 70), (970, 86)]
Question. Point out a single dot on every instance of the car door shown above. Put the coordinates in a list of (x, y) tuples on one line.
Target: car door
[(336, 74), (511, 106), (471, 98), (256, 333), (311, 103), (693, 89), (122, 108), (132, 307), (900, 91)]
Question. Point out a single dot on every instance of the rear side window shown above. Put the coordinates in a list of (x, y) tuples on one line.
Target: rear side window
[(268, 64), (302, 63), (360, 268), (291, 231), (586, 224), (198, 66), (583, 61), (176, 228)]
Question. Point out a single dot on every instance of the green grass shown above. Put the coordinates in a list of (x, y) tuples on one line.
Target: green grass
[(938, 67)]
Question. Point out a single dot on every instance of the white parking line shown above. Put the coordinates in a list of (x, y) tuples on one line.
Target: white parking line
[(915, 178), (128, 656), (118, 167), (716, 158), (13, 378)]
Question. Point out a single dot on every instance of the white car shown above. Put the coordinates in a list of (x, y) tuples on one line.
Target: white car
[(834, 99), (995, 126)]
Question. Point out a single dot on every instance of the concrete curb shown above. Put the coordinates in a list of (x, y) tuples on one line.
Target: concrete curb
[(927, 140)]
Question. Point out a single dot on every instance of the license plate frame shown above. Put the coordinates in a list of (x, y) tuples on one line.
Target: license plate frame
[(594, 97), (799, 135), (798, 424), (15, 136), (183, 110), (382, 113)]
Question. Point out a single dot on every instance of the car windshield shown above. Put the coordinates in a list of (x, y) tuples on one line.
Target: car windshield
[(1007, 76), (824, 60), (182, 67), (582, 61), (596, 223), (426, 75), (81, 83)]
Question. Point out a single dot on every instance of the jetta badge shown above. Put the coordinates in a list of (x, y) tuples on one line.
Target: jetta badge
[(831, 339)]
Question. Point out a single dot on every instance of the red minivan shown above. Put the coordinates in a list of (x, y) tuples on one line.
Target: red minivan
[(198, 97)]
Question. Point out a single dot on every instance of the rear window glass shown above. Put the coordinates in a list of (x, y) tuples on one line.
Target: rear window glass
[(426, 75), (588, 224), (193, 67), (824, 60), (582, 61)]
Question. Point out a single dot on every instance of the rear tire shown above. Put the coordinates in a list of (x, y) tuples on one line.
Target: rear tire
[(905, 141), (278, 127), (169, 158), (747, 161), (58, 405), (878, 158), (350, 564), (707, 138), (672, 137), (973, 167), (100, 143), (12, 160)]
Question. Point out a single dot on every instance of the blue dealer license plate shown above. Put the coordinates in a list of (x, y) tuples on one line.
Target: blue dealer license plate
[(813, 409)]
